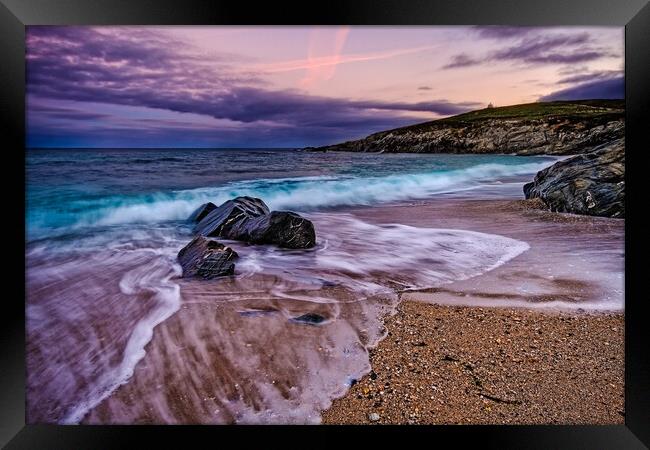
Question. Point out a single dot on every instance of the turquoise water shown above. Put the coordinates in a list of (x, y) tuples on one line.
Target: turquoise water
[(104, 228), (76, 189)]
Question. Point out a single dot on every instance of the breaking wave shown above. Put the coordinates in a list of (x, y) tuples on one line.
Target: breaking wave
[(300, 194)]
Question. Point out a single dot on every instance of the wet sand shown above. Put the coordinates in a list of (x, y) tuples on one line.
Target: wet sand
[(542, 359), (573, 261), (226, 357)]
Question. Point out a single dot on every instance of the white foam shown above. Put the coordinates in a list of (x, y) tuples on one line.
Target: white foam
[(154, 277), (364, 257), (300, 193)]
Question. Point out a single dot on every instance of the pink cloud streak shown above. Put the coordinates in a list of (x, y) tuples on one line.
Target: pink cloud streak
[(300, 64)]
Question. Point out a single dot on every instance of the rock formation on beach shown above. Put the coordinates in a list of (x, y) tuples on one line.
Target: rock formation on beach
[(248, 219), (544, 128), (245, 219), (206, 258), (592, 183), (201, 212)]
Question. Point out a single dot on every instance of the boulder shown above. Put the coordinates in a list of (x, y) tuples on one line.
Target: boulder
[(201, 212), (592, 183), (206, 258), (221, 219), (250, 220), (281, 228)]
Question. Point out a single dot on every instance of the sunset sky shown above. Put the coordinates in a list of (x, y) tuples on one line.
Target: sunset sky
[(294, 86)]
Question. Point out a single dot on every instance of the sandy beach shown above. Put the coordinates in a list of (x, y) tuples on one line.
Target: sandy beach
[(574, 262), (464, 365), (542, 359), (538, 339)]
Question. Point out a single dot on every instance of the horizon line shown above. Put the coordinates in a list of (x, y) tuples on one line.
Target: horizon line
[(164, 148)]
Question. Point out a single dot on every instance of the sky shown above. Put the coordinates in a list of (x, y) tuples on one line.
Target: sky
[(231, 87)]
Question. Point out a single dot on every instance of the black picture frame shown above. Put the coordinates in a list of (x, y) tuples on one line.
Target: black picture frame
[(16, 14)]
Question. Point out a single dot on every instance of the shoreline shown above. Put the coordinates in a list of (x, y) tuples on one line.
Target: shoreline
[(234, 353), (209, 342), (574, 262), (487, 351)]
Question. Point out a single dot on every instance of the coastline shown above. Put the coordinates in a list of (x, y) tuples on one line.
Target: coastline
[(459, 260), (574, 261), (486, 351), (211, 344)]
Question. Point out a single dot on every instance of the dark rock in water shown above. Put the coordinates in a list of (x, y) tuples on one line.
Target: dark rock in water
[(281, 228), (206, 258), (201, 212), (309, 318), (249, 219), (220, 220), (592, 183)]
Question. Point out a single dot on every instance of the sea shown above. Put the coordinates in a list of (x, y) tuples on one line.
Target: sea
[(109, 316)]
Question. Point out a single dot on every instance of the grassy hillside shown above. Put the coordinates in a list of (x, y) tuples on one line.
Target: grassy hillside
[(580, 109), (543, 128)]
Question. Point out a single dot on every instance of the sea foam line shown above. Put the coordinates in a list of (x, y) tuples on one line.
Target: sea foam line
[(156, 276), (300, 194)]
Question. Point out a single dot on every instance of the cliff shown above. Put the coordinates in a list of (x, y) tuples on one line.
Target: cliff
[(549, 128)]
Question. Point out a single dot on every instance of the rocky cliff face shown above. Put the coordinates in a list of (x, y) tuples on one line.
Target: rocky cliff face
[(555, 128), (592, 183)]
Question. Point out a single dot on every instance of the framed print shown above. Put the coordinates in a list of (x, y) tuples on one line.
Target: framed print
[(373, 217)]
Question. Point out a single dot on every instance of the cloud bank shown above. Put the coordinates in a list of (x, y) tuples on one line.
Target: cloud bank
[(613, 88), (143, 86), (140, 68), (528, 46)]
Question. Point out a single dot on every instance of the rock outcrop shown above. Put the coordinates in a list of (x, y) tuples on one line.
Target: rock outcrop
[(592, 183), (221, 219), (248, 219), (201, 212), (206, 258), (553, 128)]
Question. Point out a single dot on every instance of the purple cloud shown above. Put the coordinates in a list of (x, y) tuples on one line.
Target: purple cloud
[(65, 113), (137, 68), (535, 49), (591, 76), (174, 129), (602, 89), (503, 32), (461, 60), (545, 49)]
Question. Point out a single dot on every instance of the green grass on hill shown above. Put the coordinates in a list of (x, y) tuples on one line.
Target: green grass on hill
[(578, 109), (542, 109)]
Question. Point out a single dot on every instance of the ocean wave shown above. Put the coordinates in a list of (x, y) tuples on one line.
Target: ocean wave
[(299, 194)]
